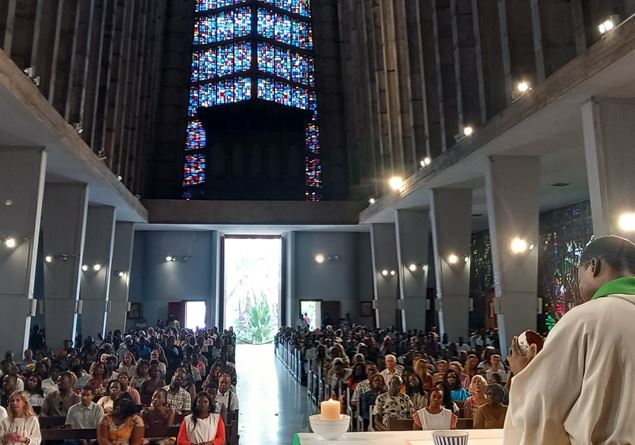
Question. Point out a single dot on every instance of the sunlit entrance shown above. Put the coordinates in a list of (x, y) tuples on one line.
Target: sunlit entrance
[(312, 312), (252, 287), (195, 314)]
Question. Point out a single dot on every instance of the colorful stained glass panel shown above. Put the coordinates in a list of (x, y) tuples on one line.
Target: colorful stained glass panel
[(284, 29), (208, 5), (223, 26), (194, 171), (302, 7), (222, 61), (195, 136), (286, 64)]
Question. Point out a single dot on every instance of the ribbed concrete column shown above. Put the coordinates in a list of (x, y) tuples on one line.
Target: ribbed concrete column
[(100, 234), (120, 276), (608, 141), (451, 233), (386, 284), (22, 171), (63, 228), (413, 231), (512, 185)]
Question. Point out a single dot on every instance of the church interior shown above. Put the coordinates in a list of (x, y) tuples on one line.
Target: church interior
[(261, 191)]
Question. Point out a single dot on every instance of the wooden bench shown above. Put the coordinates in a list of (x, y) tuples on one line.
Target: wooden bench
[(71, 433), (464, 423)]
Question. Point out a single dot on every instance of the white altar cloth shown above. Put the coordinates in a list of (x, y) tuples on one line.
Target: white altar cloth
[(477, 437)]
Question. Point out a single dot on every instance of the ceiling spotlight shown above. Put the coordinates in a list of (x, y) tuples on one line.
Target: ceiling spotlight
[(519, 245), (121, 274), (319, 258), (384, 272), (626, 222), (606, 26), (48, 259), (425, 161), (453, 259), (412, 267), (170, 259), (424, 267), (392, 273), (10, 242), (97, 267), (85, 267), (119, 178), (371, 201), (523, 86), (468, 130), (395, 182)]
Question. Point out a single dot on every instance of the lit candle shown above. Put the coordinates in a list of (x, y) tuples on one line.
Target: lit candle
[(330, 410)]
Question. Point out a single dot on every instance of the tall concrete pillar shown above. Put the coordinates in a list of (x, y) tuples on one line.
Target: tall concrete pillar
[(512, 186), (120, 276), (451, 234), (22, 172), (413, 230), (386, 279), (63, 229), (95, 285), (608, 142)]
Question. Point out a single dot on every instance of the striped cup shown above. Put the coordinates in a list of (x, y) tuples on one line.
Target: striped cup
[(450, 437)]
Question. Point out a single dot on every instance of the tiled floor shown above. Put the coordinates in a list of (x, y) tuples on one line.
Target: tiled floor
[(273, 406)]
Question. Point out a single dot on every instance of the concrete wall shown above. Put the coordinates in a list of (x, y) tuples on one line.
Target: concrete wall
[(155, 282), (347, 280)]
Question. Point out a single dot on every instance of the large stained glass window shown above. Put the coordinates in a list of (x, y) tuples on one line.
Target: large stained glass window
[(252, 49)]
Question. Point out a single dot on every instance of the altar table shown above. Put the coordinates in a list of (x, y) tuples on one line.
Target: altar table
[(477, 437)]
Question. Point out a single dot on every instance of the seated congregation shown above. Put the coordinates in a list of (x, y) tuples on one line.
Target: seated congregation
[(389, 380), (157, 386)]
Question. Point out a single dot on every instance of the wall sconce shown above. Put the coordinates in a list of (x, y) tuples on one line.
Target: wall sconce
[(97, 267), (412, 267), (58, 257), (320, 258), (395, 183), (120, 273), (174, 259), (453, 258), (393, 273), (385, 272)]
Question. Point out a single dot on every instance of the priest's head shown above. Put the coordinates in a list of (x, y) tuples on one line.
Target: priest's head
[(605, 259)]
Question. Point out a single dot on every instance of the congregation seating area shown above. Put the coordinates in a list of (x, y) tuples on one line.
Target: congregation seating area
[(296, 350), (182, 364)]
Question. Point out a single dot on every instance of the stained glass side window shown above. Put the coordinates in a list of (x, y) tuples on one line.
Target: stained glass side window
[(218, 93), (195, 136), (302, 7), (194, 169), (284, 29), (223, 26)]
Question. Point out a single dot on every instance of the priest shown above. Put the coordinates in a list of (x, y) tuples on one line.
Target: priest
[(580, 389)]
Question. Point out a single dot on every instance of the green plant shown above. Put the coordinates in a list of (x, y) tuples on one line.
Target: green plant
[(256, 322)]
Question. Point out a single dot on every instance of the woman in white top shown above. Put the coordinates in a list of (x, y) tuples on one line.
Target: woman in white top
[(435, 416), (21, 426), (202, 426), (128, 364), (115, 389)]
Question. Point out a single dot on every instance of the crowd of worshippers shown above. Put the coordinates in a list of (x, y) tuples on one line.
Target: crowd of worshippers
[(122, 385), (411, 375)]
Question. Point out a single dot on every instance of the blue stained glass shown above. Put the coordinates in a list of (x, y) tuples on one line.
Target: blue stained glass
[(208, 5), (283, 93), (286, 64), (195, 136), (221, 61), (194, 170), (302, 7), (284, 29), (313, 138), (223, 26), (218, 93)]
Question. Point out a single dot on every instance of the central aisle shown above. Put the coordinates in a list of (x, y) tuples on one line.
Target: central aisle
[(272, 405)]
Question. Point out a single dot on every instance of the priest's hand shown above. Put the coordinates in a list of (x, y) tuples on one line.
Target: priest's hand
[(517, 360)]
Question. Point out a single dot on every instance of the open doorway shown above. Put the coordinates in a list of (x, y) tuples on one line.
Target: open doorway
[(312, 313), (195, 312), (253, 266)]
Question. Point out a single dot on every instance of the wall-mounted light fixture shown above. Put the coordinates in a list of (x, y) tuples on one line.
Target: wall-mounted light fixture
[(51, 258), (609, 24), (395, 183), (10, 242), (120, 273), (175, 258), (412, 267), (321, 258), (97, 267), (626, 222), (453, 258), (385, 272), (371, 201), (425, 162)]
